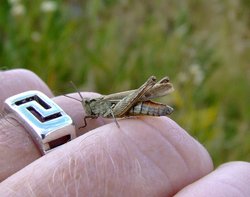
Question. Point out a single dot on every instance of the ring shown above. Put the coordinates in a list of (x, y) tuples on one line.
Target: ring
[(45, 121)]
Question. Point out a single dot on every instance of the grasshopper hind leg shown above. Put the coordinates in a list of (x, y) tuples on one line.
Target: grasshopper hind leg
[(110, 114), (124, 105), (116, 122)]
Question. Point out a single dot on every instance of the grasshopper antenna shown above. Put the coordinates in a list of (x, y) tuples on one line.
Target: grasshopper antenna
[(72, 98), (74, 86), (80, 100)]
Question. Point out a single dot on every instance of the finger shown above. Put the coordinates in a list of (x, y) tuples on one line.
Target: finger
[(17, 148), (231, 179), (19, 80), (144, 157)]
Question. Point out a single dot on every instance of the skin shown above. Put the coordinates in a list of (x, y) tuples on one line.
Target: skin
[(144, 157)]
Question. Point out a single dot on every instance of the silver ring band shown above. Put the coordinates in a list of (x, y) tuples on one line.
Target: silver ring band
[(46, 122)]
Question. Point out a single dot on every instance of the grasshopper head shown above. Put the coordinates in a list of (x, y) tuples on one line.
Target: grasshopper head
[(86, 106)]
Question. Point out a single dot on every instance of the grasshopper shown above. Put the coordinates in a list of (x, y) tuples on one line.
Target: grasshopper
[(130, 103)]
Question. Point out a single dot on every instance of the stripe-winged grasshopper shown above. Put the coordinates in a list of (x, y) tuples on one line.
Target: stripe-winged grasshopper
[(130, 103)]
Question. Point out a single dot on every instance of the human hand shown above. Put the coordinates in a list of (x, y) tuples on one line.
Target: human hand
[(144, 157)]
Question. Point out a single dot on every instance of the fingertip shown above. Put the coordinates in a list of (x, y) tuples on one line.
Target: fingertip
[(236, 164), (164, 143), (184, 143), (229, 179)]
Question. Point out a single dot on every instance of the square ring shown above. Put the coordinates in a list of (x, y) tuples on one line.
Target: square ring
[(45, 121)]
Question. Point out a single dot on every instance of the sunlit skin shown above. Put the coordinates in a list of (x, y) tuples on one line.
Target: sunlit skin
[(146, 156)]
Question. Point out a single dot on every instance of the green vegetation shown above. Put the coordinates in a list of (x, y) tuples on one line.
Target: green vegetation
[(108, 46)]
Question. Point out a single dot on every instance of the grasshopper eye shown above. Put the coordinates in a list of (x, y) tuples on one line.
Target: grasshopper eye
[(86, 101)]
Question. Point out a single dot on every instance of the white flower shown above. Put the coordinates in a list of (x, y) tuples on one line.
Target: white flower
[(197, 73), (48, 6), (36, 36), (13, 2), (182, 77), (17, 10)]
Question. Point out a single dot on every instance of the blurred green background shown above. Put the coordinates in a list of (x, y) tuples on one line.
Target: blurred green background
[(108, 46)]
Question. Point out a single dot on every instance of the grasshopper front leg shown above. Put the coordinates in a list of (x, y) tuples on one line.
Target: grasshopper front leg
[(123, 106), (85, 120)]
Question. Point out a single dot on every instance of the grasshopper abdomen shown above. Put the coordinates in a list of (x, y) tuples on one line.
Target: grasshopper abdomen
[(150, 108)]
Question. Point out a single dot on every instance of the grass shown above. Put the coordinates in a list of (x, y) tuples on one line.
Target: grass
[(108, 46)]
